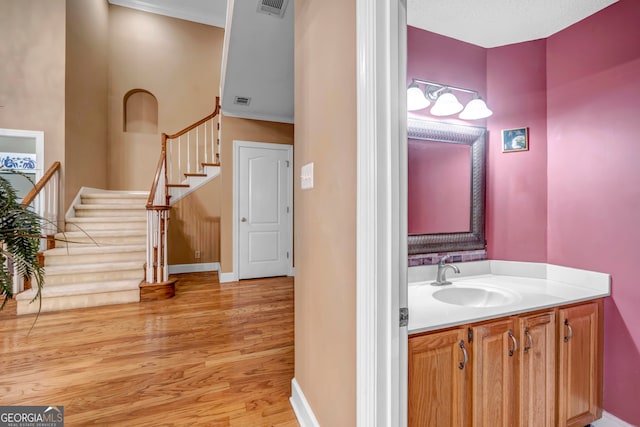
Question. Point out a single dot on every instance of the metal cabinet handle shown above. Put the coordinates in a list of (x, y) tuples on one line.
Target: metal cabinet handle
[(529, 338), (462, 364), (243, 219), (568, 337), (515, 343)]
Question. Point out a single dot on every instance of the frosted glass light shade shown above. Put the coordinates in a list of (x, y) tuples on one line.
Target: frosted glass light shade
[(446, 104), (475, 109), (416, 99)]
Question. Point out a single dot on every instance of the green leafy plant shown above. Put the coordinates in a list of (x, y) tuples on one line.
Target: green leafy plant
[(19, 243)]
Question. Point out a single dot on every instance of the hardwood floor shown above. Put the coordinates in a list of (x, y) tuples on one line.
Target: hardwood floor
[(214, 355)]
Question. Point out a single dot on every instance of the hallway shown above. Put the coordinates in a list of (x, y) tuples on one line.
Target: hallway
[(215, 355)]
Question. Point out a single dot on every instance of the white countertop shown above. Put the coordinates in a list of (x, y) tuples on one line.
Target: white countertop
[(529, 286)]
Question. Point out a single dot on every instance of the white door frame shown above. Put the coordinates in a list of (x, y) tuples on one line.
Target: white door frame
[(381, 348), (38, 135), (233, 277)]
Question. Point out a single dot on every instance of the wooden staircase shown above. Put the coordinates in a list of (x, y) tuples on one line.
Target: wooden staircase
[(114, 246), (99, 258)]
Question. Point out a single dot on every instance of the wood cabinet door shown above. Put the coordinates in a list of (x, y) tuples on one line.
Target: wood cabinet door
[(579, 370), (536, 377), (439, 380), (494, 353)]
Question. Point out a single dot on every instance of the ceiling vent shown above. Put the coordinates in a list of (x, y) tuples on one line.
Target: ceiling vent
[(242, 100), (272, 7)]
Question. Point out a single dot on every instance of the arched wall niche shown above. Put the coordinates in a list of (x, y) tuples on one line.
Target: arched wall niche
[(140, 111)]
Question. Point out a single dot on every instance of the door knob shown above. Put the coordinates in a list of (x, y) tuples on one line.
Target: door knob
[(243, 219)]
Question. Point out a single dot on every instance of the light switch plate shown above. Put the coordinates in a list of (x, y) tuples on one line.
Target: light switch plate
[(306, 176)]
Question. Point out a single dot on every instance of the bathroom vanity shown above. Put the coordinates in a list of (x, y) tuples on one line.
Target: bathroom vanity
[(507, 344)]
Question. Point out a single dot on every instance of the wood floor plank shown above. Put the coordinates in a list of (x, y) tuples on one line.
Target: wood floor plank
[(214, 355)]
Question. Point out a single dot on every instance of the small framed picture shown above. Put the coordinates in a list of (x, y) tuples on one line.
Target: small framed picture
[(515, 140)]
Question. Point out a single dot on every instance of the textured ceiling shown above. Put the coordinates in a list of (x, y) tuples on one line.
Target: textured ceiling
[(491, 23)]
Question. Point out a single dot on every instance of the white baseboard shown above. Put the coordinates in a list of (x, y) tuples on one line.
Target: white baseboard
[(292, 272), (227, 277), (194, 268), (301, 407), (609, 420)]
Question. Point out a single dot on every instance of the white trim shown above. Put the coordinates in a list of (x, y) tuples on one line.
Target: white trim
[(292, 272), (227, 277), (304, 413), (610, 420), (38, 135), (237, 144), (225, 48), (194, 268), (381, 246), (76, 201), (258, 116), (194, 182), (150, 7)]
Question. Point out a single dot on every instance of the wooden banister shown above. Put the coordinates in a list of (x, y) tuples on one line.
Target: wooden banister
[(156, 179), (198, 123), (31, 196)]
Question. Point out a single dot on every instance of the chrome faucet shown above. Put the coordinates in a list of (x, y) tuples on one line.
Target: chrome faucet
[(442, 271)]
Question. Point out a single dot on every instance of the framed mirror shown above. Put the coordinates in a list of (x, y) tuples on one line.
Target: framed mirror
[(446, 187)]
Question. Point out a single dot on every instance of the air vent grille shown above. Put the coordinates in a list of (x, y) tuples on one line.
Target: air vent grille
[(272, 7), (242, 100)]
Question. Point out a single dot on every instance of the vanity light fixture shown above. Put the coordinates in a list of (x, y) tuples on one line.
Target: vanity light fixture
[(415, 98), (446, 103)]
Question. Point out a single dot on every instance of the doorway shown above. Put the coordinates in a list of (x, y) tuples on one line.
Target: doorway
[(21, 158), (263, 209)]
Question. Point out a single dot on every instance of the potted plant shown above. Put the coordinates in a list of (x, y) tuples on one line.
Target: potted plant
[(19, 243)]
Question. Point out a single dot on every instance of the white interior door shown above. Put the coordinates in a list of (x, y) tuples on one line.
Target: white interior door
[(265, 209)]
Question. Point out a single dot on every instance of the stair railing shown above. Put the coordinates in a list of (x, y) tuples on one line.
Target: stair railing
[(44, 198), (183, 154), (194, 147)]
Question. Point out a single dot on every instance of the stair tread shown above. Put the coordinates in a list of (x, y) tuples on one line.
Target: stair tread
[(101, 233), (93, 267), (97, 206), (92, 249), (81, 289), (106, 219), (118, 194)]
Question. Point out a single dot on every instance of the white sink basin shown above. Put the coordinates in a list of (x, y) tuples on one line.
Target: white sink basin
[(475, 297)]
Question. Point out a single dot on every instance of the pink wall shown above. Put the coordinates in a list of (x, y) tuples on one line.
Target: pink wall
[(593, 71), (513, 81), (574, 198), (516, 222), (440, 182), (445, 60)]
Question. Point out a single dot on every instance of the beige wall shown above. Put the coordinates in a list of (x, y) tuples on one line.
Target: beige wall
[(32, 70), (241, 130), (86, 95), (179, 63), (325, 216), (195, 226)]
